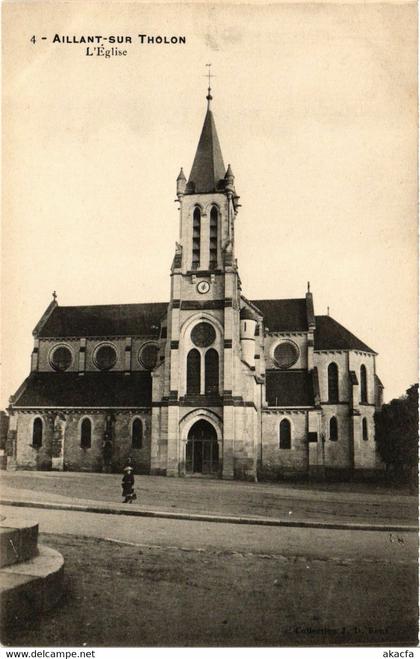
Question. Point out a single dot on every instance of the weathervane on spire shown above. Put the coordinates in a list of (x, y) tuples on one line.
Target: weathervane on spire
[(54, 294), (209, 97)]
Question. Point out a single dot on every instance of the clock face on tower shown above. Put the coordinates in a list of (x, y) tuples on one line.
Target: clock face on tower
[(203, 287)]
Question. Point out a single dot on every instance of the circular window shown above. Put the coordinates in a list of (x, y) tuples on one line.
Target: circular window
[(203, 335), (61, 358), (286, 354), (148, 356), (105, 358)]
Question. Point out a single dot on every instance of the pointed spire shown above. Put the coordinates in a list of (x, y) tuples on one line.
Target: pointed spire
[(208, 167), (229, 175), (230, 180), (208, 170), (310, 315), (181, 182), (181, 175)]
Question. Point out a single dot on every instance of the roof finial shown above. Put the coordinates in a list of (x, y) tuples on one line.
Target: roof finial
[(309, 286), (209, 97), (328, 311), (54, 294)]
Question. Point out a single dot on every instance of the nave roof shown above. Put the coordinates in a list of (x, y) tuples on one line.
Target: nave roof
[(104, 320), (279, 315), (91, 390)]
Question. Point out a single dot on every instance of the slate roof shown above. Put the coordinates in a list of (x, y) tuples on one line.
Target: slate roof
[(353, 378), (289, 388), (378, 381), (95, 389), (105, 320), (247, 314), (283, 315), (329, 334), (208, 167), (288, 315)]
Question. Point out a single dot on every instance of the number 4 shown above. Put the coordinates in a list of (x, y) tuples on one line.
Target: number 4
[(33, 39)]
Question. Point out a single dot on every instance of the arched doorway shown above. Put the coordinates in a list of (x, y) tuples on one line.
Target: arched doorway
[(202, 450)]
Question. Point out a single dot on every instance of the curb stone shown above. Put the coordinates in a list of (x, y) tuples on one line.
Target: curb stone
[(221, 519)]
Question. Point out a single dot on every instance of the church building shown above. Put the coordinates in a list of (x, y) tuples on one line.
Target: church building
[(210, 383)]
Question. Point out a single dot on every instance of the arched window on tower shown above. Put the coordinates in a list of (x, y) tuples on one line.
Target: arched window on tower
[(211, 371), (363, 384), (37, 433), (193, 372), (365, 433), (285, 434), (86, 433), (213, 238), (137, 434), (333, 429), (333, 383), (196, 239)]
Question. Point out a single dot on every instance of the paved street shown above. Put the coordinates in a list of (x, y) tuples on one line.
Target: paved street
[(322, 543), (173, 582), (181, 583), (347, 502)]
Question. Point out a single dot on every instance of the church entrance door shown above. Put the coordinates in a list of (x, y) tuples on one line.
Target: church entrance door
[(202, 450)]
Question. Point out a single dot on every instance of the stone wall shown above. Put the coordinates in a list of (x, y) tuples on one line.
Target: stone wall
[(277, 463), (322, 360), (61, 441), (26, 455), (366, 455), (337, 453), (356, 359), (127, 350), (298, 339), (75, 457), (245, 444)]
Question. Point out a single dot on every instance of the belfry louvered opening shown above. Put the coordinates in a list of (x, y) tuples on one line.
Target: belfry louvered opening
[(196, 239), (214, 218)]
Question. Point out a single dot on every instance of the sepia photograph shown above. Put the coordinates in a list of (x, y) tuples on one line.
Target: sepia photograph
[(209, 401)]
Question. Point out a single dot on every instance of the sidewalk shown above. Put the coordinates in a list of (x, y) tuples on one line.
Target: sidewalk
[(213, 500)]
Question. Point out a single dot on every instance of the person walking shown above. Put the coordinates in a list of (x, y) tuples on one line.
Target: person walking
[(127, 484)]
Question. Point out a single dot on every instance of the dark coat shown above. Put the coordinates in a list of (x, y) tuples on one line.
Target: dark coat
[(128, 484)]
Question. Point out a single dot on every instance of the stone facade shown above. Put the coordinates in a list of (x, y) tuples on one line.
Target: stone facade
[(210, 383)]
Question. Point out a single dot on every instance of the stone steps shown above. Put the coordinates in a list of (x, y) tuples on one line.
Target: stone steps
[(31, 575)]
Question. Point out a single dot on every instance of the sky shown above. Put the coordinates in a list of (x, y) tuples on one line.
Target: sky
[(316, 111)]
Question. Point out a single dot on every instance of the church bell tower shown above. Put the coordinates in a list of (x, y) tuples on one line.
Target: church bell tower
[(208, 205), (198, 384)]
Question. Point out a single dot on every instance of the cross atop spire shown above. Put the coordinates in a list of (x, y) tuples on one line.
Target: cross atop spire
[(209, 97)]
